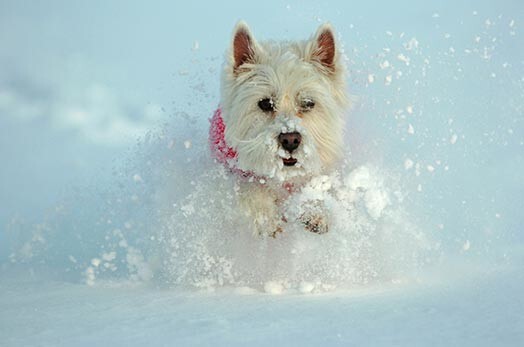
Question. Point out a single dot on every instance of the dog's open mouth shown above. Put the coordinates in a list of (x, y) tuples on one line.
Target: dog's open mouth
[(289, 161)]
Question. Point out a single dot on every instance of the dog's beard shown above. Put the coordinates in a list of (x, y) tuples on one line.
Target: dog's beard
[(261, 153)]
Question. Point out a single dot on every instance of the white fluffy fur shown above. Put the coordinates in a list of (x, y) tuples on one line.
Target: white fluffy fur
[(288, 72)]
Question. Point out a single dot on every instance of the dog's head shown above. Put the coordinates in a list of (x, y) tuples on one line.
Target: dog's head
[(283, 103)]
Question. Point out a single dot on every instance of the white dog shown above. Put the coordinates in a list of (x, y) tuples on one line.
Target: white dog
[(280, 122)]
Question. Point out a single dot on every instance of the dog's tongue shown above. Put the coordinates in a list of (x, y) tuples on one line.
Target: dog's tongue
[(289, 162)]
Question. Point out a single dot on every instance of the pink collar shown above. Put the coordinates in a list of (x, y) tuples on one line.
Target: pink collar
[(227, 155), (220, 149)]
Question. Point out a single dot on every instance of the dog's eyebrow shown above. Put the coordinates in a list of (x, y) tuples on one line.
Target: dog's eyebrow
[(248, 78)]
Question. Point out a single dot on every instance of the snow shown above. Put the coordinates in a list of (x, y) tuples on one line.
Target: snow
[(408, 164), (384, 65), (465, 312), (273, 287), (306, 287), (116, 227)]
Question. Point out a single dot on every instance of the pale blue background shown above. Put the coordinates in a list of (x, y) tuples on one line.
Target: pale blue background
[(81, 81)]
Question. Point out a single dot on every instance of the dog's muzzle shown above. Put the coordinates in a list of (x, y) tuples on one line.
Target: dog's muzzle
[(290, 142)]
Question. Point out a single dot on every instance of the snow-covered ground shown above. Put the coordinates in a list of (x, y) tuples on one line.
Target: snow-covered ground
[(117, 228), (481, 311)]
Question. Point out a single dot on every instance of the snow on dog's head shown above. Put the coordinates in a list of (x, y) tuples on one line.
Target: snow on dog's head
[(283, 104)]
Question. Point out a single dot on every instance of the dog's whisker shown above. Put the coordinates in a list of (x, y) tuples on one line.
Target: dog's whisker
[(252, 145), (249, 140)]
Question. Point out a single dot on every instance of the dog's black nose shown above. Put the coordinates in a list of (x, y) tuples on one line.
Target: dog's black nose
[(290, 141)]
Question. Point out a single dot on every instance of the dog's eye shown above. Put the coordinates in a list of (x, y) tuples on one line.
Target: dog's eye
[(307, 104), (266, 105)]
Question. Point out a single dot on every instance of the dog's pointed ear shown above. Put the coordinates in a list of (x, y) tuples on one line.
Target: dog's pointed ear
[(244, 45), (324, 50)]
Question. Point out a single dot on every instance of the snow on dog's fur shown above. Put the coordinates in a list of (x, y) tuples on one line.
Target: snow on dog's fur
[(274, 93)]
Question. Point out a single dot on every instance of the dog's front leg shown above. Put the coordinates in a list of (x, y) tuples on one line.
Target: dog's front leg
[(260, 204)]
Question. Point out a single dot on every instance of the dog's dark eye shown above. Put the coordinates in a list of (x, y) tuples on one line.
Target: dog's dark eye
[(266, 105), (307, 104)]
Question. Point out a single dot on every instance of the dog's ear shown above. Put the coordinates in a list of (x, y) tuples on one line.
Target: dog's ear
[(244, 45), (324, 50)]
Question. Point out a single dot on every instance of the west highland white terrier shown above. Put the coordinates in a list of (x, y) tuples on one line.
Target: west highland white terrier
[(280, 123)]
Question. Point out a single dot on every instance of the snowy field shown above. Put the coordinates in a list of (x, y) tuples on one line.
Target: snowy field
[(117, 228)]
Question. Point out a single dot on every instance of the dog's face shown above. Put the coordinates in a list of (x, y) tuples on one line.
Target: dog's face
[(283, 104)]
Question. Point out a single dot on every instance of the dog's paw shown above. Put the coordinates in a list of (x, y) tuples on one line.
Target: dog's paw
[(315, 224), (314, 218), (271, 230), (265, 225), (275, 232)]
